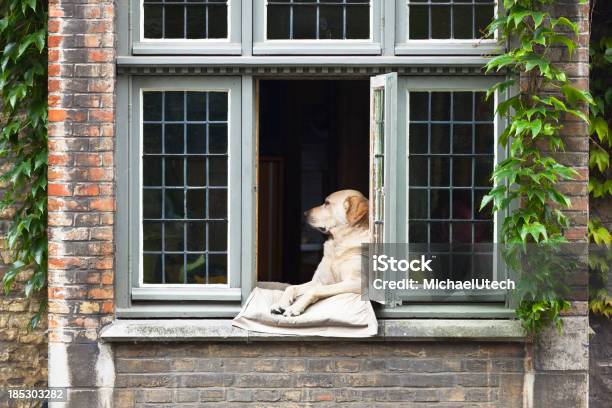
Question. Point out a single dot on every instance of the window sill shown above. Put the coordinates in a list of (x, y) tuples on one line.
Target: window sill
[(297, 47), (389, 330), (187, 294), (447, 311), (187, 48), (449, 47)]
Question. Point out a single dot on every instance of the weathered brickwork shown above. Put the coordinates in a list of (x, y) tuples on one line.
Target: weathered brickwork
[(23, 353), (575, 131), (319, 374), (81, 191), (561, 360)]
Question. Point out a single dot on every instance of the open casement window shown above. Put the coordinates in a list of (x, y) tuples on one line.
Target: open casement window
[(340, 27), (383, 135), (433, 147), (185, 190), (163, 27), (449, 27), (383, 144)]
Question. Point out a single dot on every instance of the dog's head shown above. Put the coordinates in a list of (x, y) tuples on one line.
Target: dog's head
[(342, 208)]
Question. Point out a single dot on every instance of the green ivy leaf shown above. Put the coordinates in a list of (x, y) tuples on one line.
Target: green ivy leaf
[(599, 158), (500, 87), (564, 21), (535, 230), (500, 62), (538, 17), (599, 126), (574, 96), (599, 234), (562, 39)]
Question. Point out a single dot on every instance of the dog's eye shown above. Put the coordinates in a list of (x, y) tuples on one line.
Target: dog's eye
[(326, 203)]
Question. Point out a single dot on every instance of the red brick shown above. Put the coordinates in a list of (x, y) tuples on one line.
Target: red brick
[(101, 115), (55, 10), (88, 189), (54, 70), (100, 174), (102, 204), (580, 203), (107, 278), (54, 85), (54, 41), (108, 307), (100, 293), (59, 190), (100, 56), (576, 233), (101, 86), (102, 233), (59, 204), (57, 115), (54, 101), (60, 159), (53, 26), (104, 263), (87, 159), (53, 55)]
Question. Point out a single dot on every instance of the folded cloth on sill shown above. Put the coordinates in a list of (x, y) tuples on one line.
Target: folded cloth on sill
[(344, 315)]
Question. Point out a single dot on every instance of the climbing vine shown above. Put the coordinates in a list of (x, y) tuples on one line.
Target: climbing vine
[(540, 98), (23, 140)]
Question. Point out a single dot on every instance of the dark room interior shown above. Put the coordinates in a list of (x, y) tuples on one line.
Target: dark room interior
[(313, 140)]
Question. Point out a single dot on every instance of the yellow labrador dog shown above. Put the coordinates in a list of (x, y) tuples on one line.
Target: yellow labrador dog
[(344, 217)]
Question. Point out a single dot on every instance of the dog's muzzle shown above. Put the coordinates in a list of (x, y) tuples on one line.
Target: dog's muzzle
[(310, 221)]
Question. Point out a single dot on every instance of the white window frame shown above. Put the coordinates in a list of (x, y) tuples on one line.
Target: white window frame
[(263, 46), (397, 157), (406, 46), (214, 46), (187, 292)]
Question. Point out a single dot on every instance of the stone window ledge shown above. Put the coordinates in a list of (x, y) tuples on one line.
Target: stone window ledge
[(123, 330)]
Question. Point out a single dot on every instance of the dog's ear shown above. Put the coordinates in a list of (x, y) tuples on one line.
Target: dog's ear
[(357, 211)]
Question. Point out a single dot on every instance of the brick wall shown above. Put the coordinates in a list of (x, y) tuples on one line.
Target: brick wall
[(23, 354), (81, 194), (561, 359), (318, 373)]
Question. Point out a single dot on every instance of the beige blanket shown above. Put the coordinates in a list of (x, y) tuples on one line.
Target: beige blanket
[(344, 315)]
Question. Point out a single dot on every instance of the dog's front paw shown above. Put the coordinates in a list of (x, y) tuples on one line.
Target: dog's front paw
[(293, 310), (277, 308)]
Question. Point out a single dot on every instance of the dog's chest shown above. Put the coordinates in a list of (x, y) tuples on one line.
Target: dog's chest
[(338, 257)]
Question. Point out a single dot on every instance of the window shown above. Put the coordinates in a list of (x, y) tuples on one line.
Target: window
[(226, 136), (195, 19), (182, 27), (451, 154), (184, 182), (318, 19), (317, 26), (444, 26), (184, 189), (443, 151), (451, 19), (383, 131), (306, 27)]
